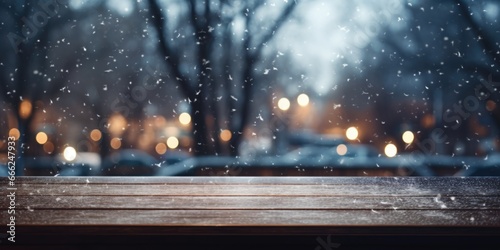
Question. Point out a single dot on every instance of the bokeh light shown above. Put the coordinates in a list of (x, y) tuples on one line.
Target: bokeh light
[(161, 148), (184, 118), (341, 149), (69, 153), (14, 132), (95, 135), (25, 109), (48, 147), (352, 133), (284, 104), (390, 150), (172, 142), (408, 137), (115, 143), (117, 124), (303, 100), (491, 105), (225, 135), (41, 138)]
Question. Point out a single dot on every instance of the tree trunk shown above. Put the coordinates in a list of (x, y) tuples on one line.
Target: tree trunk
[(245, 108), (23, 126), (104, 147), (199, 131)]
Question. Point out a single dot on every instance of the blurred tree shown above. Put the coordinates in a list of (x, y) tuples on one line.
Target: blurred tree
[(486, 34), (212, 49), (112, 83), (440, 56), (25, 70)]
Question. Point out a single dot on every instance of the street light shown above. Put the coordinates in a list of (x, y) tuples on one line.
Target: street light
[(282, 133), (352, 133), (225, 135), (25, 109), (69, 153), (95, 135), (117, 124), (408, 137), (14, 132), (184, 118), (390, 150), (341, 149), (172, 142), (115, 143), (161, 148), (284, 104), (303, 100)]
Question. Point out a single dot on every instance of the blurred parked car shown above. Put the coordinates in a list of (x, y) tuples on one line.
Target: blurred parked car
[(129, 162)]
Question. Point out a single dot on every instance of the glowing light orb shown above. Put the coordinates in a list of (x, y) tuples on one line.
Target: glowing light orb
[(115, 143), (161, 148), (184, 118), (69, 153), (14, 132), (41, 138), (390, 150), (284, 104), (352, 133), (172, 142), (303, 100), (341, 149), (95, 135), (225, 135), (408, 137)]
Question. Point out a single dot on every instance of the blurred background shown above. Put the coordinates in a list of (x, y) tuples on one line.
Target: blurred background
[(233, 87)]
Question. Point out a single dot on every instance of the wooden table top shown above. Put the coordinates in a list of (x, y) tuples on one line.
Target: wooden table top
[(254, 205)]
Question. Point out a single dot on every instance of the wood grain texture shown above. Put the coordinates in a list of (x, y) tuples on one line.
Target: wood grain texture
[(238, 217), (252, 205), (449, 181), (139, 202)]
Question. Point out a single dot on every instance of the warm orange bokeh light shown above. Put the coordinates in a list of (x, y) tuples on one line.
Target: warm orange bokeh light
[(115, 143), (41, 138), (48, 147), (491, 105), (225, 135), (341, 149), (95, 135), (25, 109), (161, 148), (14, 132), (117, 124)]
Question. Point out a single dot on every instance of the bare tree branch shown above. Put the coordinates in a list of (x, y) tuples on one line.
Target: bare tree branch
[(277, 25), (483, 37), (172, 58), (250, 57)]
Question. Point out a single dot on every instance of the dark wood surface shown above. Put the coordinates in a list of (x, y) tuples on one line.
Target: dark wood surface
[(72, 207)]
